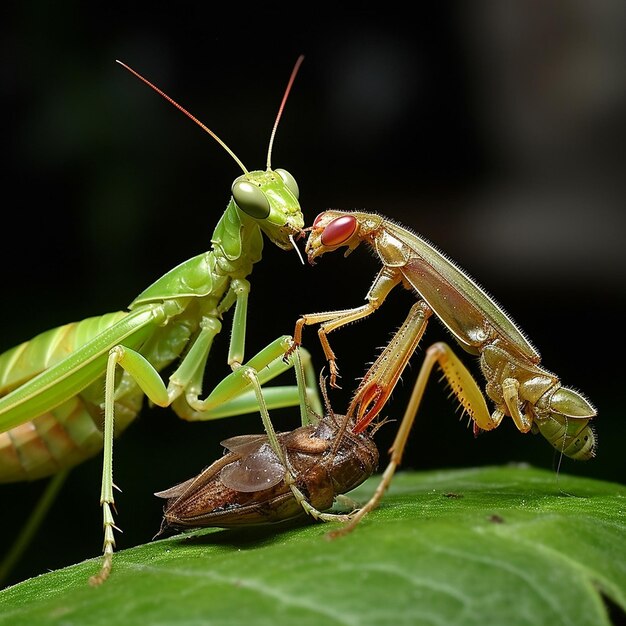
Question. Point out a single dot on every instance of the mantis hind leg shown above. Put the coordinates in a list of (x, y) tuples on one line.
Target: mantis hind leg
[(231, 397)]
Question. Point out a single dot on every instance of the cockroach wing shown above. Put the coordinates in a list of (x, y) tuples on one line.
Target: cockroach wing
[(257, 471), (175, 491), (243, 445)]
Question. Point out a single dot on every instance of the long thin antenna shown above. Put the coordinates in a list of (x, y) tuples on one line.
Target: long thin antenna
[(189, 115), (296, 67)]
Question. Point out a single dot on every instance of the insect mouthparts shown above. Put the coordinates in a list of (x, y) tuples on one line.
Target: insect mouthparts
[(295, 247)]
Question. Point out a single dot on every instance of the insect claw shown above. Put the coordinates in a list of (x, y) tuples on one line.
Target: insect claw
[(340, 532), (292, 348), (334, 375)]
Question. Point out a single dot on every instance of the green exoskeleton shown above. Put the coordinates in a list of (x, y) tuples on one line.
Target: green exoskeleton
[(516, 383), (66, 393)]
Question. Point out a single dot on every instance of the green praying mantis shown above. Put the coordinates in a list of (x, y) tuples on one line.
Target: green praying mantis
[(65, 394)]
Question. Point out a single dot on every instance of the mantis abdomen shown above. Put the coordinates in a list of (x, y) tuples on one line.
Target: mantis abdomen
[(65, 435)]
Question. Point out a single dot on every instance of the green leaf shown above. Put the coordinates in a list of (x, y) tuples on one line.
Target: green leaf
[(502, 546)]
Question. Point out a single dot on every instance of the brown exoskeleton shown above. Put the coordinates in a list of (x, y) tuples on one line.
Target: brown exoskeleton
[(250, 484)]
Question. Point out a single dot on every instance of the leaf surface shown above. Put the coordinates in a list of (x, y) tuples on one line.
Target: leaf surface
[(486, 546)]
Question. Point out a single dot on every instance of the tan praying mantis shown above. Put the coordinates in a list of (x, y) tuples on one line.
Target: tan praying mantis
[(515, 382)]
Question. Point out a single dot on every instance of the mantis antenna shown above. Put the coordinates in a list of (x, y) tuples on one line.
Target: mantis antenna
[(189, 115), (208, 130), (296, 67)]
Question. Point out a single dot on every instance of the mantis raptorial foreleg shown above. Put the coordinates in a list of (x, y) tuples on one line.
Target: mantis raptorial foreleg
[(380, 380), (384, 282)]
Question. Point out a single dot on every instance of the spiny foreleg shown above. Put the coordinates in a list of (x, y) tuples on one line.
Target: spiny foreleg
[(464, 388)]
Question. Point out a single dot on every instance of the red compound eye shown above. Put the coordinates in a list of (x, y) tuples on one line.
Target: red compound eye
[(339, 231), (316, 221)]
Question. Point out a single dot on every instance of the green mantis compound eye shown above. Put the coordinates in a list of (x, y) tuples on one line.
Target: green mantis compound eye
[(250, 199), (290, 182)]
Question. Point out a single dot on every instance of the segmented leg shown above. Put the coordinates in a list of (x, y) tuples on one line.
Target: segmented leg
[(232, 396), (229, 397), (252, 376), (465, 389), (384, 282), (309, 508)]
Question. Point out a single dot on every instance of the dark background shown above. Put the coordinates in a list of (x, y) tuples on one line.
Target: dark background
[(495, 130)]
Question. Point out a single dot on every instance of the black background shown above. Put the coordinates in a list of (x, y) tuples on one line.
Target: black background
[(495, 130)]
